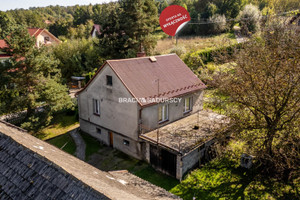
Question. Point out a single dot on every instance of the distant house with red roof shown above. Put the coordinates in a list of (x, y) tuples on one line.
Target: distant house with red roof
[(43, 37), (96, 30)]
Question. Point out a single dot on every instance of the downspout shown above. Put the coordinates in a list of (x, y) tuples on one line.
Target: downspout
[(140, 122)]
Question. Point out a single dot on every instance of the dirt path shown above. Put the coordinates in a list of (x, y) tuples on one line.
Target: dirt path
[(80, 144)]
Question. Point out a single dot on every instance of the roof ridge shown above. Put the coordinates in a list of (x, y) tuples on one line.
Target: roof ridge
[(141, 57), (13, 126)]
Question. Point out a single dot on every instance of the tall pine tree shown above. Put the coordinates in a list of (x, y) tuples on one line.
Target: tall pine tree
[(139, 18), (30, 79)]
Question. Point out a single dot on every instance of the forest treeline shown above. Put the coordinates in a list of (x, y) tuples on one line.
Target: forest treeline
[(76, 21)]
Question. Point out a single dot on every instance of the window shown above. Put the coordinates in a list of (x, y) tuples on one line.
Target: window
[(163, 113), (96, 106), (109, 80), (46, 39), (98, 130), (187, 104), (126, 142)]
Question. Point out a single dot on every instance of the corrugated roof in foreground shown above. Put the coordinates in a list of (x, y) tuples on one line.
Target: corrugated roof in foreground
[(33, 169)]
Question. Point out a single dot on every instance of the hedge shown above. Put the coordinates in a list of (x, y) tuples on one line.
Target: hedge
[(199, 58)]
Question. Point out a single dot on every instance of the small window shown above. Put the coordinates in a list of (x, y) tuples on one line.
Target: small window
[(187, 104), (96, 106), (109, 80), (126, 142), (98, 130), (46, 39), (163, 113)]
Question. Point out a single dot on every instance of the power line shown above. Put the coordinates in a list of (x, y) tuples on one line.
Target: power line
[(205, 21)]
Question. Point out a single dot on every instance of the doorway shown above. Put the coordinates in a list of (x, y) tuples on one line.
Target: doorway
[(111, 139)]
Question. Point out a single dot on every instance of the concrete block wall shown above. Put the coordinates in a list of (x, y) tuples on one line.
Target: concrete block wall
[(133, 149), (91, 129)]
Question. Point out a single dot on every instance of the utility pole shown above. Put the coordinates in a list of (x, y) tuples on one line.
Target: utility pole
[(157, 133)]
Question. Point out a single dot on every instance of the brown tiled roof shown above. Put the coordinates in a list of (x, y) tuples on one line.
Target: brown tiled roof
[(32, 32), (35, 31), (97, 27), (140, 76), (3, 44)]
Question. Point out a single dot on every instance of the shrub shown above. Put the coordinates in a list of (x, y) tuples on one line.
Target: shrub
[(218, 23), (179, 50), (249, 19)]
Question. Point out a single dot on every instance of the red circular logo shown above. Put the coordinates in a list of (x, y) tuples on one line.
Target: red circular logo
[(173, 18)]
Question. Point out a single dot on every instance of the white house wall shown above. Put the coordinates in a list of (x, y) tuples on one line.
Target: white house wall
[(150, 114), (118, 117), (41, 38)]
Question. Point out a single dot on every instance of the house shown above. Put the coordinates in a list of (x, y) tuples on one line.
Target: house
[(96, 30), (3, 55), (138, 105), (33, 169), (43, 37)]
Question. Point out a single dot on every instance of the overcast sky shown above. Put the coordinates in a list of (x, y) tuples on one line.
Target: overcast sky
[(13, 4)]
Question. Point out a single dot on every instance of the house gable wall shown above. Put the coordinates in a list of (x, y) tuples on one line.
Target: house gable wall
[(40, 38), (150, 114), (114, 116)]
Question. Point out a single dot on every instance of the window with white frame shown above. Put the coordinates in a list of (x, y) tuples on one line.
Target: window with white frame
[(163, 113), (96, 106), (187, 104)]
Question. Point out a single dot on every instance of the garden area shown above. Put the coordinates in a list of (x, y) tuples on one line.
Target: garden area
[(222, 178), (186, 44)]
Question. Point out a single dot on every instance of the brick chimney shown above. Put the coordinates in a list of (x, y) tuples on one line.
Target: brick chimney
[(141, 52)]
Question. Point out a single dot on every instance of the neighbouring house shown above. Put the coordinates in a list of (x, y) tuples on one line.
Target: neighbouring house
[(3, 55), (124, 106), (96, 30), (33, 169), (43, 37)]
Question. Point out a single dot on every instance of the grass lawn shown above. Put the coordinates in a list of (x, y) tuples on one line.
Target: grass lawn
[(92, 145), (224, 179), (156, 178), (108, 159), (61, 124), (64, 142)]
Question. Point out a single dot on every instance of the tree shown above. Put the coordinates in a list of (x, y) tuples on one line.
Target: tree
[(5, 23), (249, 19), (138, 20), (112, 41), (32, 76), (264, 98), (77, 57), (218, 23), (82, 14)]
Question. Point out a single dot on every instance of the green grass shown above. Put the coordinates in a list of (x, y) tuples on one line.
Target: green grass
[(149, 174), (92, 144), (64, 142), (61, 124), (224, 179)]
